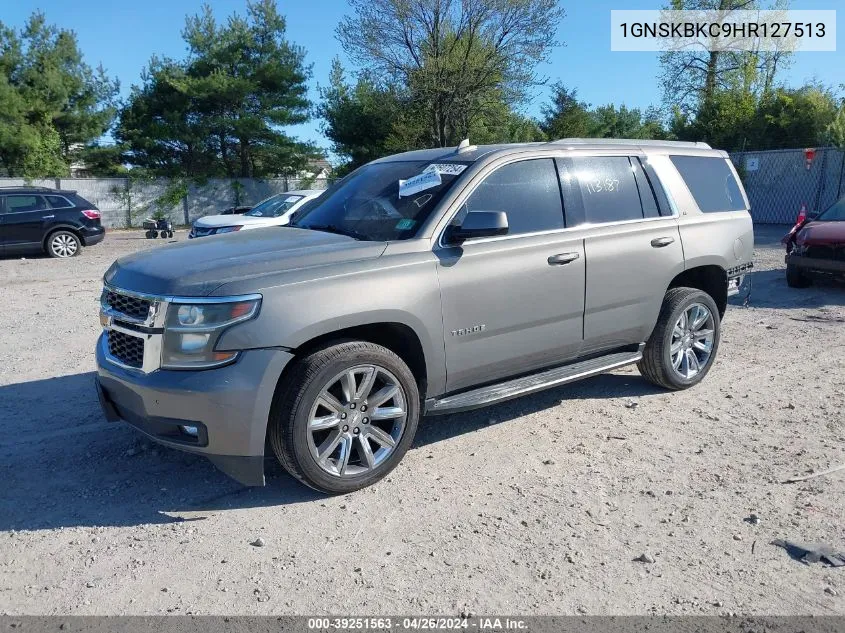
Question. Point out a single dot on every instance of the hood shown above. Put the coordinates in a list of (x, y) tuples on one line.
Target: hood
[(196, 267), (216, 221), (821, 234)]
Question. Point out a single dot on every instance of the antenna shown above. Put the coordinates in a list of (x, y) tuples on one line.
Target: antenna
[(464, 147)]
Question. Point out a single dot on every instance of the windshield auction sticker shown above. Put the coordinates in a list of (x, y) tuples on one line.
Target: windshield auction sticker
[(448, 169), (726, 30), (425, 180)]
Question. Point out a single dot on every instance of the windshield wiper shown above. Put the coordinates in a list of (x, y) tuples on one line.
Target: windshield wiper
[(334, 228)]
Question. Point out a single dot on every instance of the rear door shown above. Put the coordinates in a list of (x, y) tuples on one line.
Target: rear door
[(632, 244), (24, 219), (514, 303)]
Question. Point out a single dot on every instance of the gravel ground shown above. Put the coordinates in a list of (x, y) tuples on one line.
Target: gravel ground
[(537, 506)]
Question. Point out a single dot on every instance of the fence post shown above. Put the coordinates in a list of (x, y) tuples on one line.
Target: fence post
[(820, 185), (185, 207)]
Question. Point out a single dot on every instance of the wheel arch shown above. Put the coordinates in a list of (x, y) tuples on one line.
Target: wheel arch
[(61, 227), (709, 278)]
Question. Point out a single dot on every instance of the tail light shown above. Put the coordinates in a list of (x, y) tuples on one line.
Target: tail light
[(802, 215), (91, 214)]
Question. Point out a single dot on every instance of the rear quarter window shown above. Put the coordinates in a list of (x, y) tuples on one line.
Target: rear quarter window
[(711, 183)]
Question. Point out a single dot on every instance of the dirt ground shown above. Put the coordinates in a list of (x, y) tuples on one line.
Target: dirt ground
[(537, 506)]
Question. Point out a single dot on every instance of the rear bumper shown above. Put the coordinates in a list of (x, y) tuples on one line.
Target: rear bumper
[(91, 236), (811, 265), (229, 407)]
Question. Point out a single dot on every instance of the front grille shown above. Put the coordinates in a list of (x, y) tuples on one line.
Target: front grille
[(134, 307), (199, 231), (129, 350)]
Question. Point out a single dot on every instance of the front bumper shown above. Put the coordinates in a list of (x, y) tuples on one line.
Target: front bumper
[(229, 406), (815, 265)]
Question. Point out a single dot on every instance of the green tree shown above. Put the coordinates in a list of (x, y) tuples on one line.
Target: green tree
[(836, 130), (363, 121), (222, 110), (455, 62), (52, 102), (565, 116)]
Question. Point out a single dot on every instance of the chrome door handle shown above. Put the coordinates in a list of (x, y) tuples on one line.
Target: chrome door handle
[(47, 217), (660, 242), (563, 258)]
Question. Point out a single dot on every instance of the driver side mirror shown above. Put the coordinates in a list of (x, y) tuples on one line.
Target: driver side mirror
[(478, 224)]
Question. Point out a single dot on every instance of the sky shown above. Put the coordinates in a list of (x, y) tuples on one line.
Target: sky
[(123, 35)]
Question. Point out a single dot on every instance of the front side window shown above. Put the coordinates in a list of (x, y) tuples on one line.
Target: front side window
[(527, 191), (606, 186), (274, 207), (21, 203), (381, 201), (711, 182)]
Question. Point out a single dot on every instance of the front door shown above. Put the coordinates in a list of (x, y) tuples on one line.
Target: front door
[(515, 303)]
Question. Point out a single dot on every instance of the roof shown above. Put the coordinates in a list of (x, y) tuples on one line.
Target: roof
[(473, 153)]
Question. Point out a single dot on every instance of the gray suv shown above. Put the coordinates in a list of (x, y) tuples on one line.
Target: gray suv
[(429, 282)]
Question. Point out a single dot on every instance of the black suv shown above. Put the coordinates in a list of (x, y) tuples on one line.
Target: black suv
[(51, 220)]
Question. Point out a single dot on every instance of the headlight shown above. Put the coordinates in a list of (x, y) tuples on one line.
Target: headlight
[(227, 229), (191, 331)]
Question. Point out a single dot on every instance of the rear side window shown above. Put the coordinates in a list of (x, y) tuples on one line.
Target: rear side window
[(606, 186), (528, 191), (711, 183), (21, 203), (59, 202)]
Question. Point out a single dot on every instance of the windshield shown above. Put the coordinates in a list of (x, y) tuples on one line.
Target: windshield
[(370, 204), (835, 213), (274, 207)]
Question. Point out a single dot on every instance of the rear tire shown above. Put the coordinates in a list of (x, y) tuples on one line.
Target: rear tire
[(63, 244), (795, 278), (683, 345), (338, 434)]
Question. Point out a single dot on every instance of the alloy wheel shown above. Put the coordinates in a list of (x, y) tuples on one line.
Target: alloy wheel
[(357, 420), (692, 340), (64, 245)]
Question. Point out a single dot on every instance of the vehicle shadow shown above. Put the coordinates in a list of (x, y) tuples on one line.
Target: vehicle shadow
[(63, 465)]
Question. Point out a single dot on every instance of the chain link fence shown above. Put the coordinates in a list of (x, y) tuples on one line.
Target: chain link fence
[(778, 182), (124, 202)]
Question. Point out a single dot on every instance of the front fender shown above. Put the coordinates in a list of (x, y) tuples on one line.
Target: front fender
[(404, 290)]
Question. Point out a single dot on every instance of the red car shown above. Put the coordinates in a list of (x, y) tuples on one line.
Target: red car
[(816, 246)]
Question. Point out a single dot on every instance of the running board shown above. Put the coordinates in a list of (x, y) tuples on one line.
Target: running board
[(517, 387)]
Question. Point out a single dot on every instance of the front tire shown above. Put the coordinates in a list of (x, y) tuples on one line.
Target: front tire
[(63, 244), (345, 416), (795, 278), (683, 345)]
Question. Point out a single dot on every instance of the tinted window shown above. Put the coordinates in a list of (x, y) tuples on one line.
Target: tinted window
[(58, 202), (606, 185), (527, 191), (835, 213), (711, 183), (17, 204)]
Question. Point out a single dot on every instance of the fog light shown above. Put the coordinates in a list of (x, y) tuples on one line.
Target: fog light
[(190, 430)]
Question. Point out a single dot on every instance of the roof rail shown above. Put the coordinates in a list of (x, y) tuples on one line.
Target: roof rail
[(631, 141)]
